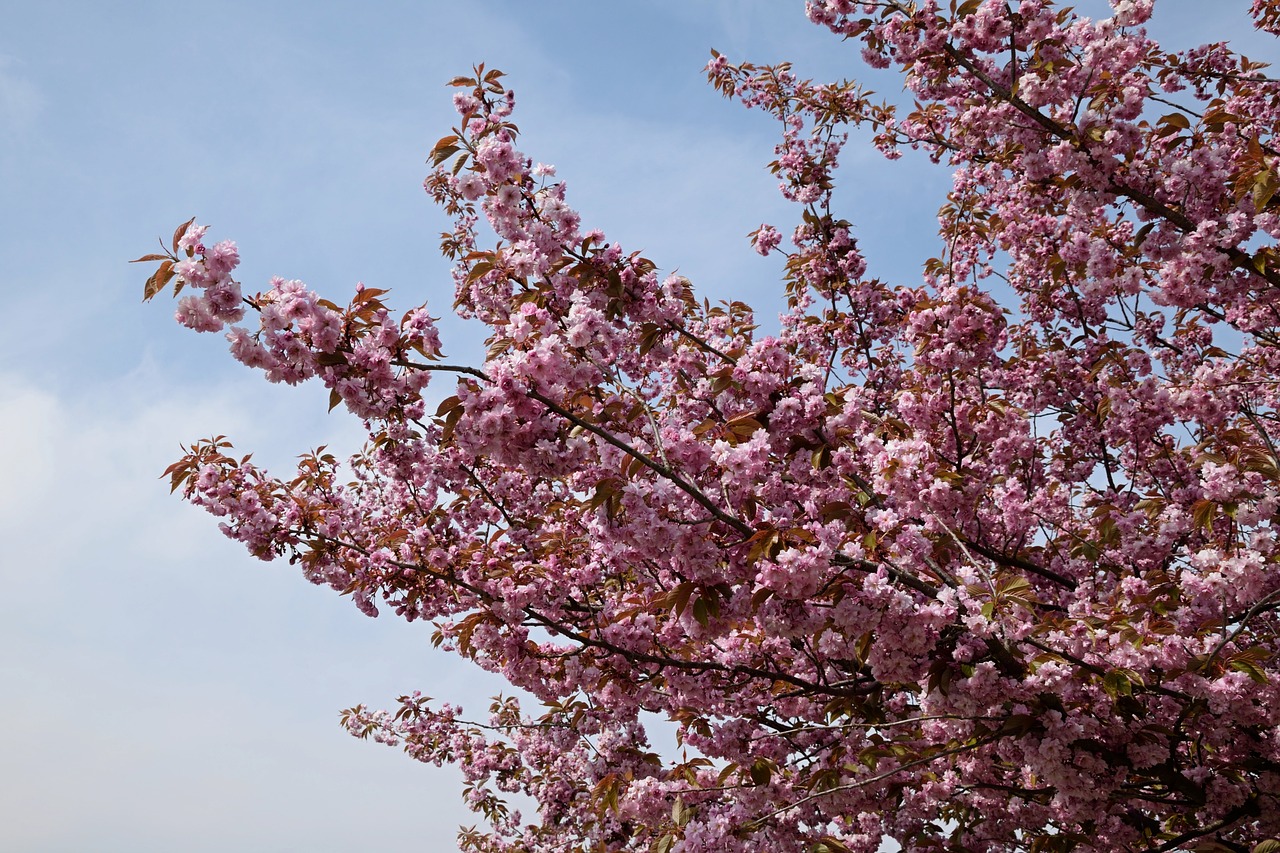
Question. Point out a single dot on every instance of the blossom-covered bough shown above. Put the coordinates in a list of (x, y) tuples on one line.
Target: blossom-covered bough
[(986, 561)]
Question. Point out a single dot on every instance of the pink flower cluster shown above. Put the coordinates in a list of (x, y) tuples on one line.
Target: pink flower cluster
[(219, 302), (985, 561)]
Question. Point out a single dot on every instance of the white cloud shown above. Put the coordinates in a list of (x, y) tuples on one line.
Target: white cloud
[(165, 691)]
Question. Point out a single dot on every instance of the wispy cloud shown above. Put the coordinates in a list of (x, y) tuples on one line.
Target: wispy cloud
[(162, 689), (21, 102)]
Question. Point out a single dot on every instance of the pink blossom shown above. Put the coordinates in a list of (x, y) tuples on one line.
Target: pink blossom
[(984, 560), (765, 239)]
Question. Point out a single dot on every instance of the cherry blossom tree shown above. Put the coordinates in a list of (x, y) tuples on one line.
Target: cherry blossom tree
[(983, 561)]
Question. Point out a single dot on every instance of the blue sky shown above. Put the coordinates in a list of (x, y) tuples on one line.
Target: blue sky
[(160, 689)]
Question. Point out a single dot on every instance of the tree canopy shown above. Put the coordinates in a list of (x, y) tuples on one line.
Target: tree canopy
[(983, 561)]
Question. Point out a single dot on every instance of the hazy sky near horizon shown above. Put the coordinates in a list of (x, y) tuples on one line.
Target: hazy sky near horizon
[(159, 689)]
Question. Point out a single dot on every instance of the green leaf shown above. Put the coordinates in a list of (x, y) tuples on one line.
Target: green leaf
[(822, 457), (1250, 669), (1120, 682), (1264, 187), (701, 611)]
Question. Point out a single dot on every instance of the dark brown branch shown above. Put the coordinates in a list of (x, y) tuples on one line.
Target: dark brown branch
[(1019, 563), (1144, 199)]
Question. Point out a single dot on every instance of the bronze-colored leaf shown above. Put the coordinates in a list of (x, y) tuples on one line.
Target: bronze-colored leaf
[(180, 231), (447, 405), (163, 274)]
